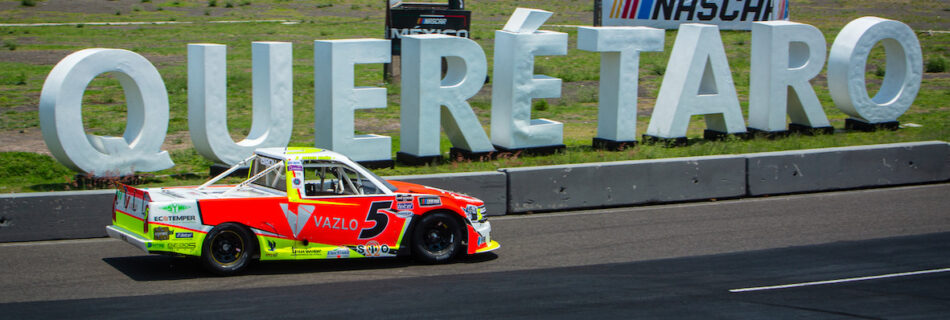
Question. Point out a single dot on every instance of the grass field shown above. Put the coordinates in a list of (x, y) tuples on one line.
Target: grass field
[(28, 53)]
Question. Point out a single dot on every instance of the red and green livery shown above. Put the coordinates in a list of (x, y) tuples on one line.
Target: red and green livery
[(300, 203)]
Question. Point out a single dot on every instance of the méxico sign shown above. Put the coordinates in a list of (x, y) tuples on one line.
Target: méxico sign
[(698, 81), (669, 14)]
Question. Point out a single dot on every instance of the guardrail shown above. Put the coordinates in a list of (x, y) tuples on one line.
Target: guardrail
[(83, 214)]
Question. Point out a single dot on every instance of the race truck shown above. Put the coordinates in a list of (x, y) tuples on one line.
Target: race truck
[(297, 204)]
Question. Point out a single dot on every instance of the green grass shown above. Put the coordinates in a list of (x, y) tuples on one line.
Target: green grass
[(21, 79)]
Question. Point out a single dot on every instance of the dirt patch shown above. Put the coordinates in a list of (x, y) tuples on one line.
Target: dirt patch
[(31, 140), (37, 57), (23, 140)]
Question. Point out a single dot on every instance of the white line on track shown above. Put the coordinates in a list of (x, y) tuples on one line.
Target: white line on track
[(818, 283)]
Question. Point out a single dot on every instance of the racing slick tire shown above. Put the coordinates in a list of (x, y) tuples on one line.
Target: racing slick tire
[(437, 238), (227, 249)]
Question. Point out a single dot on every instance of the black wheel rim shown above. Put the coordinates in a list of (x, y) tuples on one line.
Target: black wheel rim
[(227, 247), (438, 237)]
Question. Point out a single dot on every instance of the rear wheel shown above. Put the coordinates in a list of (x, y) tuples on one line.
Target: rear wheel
[(437, 238), (227, 249)]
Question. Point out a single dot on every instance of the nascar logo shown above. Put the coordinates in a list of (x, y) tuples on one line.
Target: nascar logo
[(703, 10), (439, 20)]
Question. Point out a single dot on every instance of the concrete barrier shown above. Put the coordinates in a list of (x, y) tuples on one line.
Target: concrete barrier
[(594, 185), (83, 214), (55, 215), (490, 187), (847, 167)]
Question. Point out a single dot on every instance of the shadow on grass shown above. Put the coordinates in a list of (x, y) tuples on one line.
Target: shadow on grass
[(88, 182)]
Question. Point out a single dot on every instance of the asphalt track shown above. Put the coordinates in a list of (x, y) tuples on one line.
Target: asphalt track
[(868, 254)]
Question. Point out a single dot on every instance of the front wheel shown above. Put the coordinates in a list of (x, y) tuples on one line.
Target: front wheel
[(437, 238), (227, 249)]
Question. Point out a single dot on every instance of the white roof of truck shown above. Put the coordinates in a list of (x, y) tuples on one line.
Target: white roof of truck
[(300, 153)]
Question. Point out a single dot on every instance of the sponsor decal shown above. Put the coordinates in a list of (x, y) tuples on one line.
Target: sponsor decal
[(481, 241), (267, 162), (295, 165), (174, 219), (155, 245), (430, 201), (404, 202), (335, 223), (175, 208), (271, 245), (404, 214), (306, 251), (184, 235), (338, 253), (161, 233), (297, 220), (181, 246), (372, 249), (297, 182)]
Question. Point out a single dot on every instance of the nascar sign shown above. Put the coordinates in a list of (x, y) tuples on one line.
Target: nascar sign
[(669, 14), (403, 22)]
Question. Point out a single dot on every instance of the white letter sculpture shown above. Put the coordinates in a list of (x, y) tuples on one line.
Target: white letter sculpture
[(336, 98), (847, 60), (619, 70), (785, 56), (514, 83), (697, 82), (139, 148), (424, 91), (272, 98)]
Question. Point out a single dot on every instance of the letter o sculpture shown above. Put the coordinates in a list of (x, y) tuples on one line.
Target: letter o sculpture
[(848, 59)]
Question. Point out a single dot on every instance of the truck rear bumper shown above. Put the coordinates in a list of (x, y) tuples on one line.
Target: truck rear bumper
[(127, 236)]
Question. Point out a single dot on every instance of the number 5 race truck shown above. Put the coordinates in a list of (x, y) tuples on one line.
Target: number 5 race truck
[(300, 203)]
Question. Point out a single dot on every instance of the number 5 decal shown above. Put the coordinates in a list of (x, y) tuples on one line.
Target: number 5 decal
[(380, 218)]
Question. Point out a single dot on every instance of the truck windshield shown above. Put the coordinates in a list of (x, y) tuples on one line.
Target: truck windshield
[(385, 183)]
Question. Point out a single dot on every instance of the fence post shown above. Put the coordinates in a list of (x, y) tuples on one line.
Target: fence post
[(598, 13)]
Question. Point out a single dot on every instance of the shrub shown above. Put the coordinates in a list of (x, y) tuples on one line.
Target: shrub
[(935, 65), (879, 71), (540, 105), (9, 44)]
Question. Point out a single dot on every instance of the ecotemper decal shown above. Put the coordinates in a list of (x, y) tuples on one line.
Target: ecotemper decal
[(181, 214), (669, 14)]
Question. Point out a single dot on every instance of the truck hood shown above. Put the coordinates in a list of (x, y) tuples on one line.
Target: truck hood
[(406, 187)]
